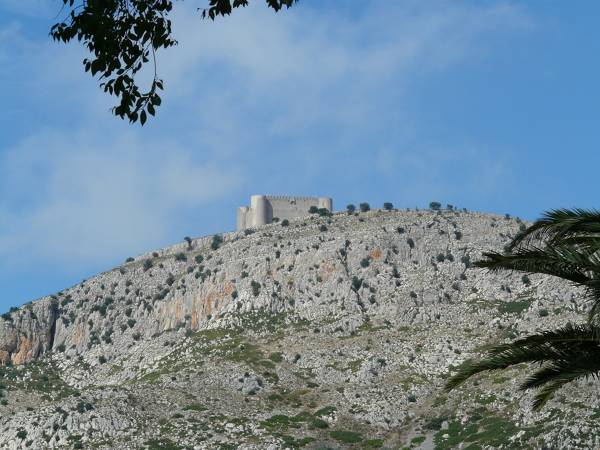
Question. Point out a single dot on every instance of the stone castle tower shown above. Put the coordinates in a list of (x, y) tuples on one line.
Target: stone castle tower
[(263, 208)]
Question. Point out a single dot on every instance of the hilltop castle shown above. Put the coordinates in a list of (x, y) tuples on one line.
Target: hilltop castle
[(263, 208)]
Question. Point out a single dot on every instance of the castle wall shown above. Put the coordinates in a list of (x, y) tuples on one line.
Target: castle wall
[(264, 208), (291, 207), (243, 215)]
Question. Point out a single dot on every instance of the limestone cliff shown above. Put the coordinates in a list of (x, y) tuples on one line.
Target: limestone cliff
[(334, 331), (28, 332)]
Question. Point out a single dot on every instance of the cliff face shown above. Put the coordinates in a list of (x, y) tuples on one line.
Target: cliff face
[(307, 269), (331, 331), (28, 333)]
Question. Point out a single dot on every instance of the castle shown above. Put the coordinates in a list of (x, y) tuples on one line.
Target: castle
[(264, 208)]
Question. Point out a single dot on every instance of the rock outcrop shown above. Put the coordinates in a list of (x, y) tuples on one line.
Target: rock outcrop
[(329, 332), (29, 332)]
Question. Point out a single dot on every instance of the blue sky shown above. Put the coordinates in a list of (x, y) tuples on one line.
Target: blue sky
[(488, 105)]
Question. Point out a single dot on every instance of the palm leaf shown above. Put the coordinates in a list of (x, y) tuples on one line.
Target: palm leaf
[(568, 353), (558, 224), (547, 392), (560, 262), (564, 243)]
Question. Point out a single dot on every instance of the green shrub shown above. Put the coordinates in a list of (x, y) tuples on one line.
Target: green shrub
[(313, 210), (285, 223), (543, 312), (180, 257), (323, 228), (373, 443), (276, 357), (84, 406), (101, 359), (22, 434), (325, 411), (350, 208), (435, 206), (364, 263), (388, 206), (458, 235), (130, 259), (356, 283), (525, 279), (364, 207), (319, 423), (147, 265), (255, 288), (217, 240), (410, 243), (435, 424), (131, 323), (100, 308)]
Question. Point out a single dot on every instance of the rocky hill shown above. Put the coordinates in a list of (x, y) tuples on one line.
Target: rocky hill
[(331, 332)]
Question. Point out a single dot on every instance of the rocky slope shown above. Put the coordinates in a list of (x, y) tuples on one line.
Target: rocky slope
[(332, 332)]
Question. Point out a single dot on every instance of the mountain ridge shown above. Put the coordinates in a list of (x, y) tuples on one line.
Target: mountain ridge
[(363, 313)]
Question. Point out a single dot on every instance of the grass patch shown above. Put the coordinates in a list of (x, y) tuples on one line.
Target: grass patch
[(516, 307), (347, 437), (195, 407), (281, 422), (162, 444), (326, 411), (482, 430)]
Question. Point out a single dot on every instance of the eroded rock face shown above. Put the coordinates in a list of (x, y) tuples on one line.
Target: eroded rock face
[(328, 331), (28, 332), (356, 266)]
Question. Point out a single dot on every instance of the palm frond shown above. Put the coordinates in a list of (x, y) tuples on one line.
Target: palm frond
[(569, 353), (579, 366), (558, 224), (547, 392), (564, 243), (561, 262), (568, 336)]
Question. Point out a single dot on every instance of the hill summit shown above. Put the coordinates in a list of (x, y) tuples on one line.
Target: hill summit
[(332, 331)]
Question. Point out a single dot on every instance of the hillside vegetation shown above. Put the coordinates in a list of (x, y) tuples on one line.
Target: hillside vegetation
[(325, 332)]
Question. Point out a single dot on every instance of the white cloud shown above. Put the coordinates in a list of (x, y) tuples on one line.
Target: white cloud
[(84, 199), (312, 66), (255, 101)]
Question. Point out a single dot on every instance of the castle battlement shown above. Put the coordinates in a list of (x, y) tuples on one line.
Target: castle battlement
[(263, 208), (291, 198)]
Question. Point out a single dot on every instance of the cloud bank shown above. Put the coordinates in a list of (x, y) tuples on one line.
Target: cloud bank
[(314, 100)]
